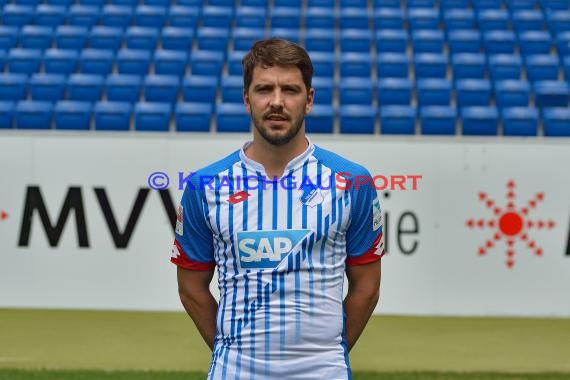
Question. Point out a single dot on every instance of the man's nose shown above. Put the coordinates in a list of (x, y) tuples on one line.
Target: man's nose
[(277, 99)]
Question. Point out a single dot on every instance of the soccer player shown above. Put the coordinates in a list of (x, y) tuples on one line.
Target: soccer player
[(281, 221)]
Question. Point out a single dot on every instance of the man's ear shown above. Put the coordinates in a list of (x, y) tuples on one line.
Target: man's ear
[(310, 99), (246, 101)]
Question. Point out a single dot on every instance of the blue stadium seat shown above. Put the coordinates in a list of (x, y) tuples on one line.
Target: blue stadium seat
[(468, 65), (112, 116), (96, 61), (119, 16), (129, 3), (161, 88), (213, 39), (287, 3), (320, 40), (525, 20), (464, 41), (431, 92), (423, 18), (354, 18), (427, 41), (319, 18), (512, 93), (251, 17), (222, 3), (421, 3), (244, 38), (391, 41), (320, 119), (232, 89), (430, 65), (535, 42), (314, 3), (50, 15), (356, 65), (131, 61), (514, 5), (143, 38), (479, 121), (232, 117), (17, 15), (355, 40), (34, 3), (206, 62), (6, 114), (480, 5), (454, 4), (323, 63), (554, 5), (123, 88), (458, 19), (32, 114), (394, 91), (194, 117), (65, 3), (563, 44), (8, 36), (2, 60), (13, 86), (71, 37), (25, 61), (217, 17), (83, 15), (473, 92), (353, 3), (36, 37), (392, 65), (558, 21), (200, 89), (106, 37), (566, 67), (493, 19), (151, 116), (234, 62), (293, 35), (170, 62), (177, 38), (284, 17), (520, 121), (357, 118), (356, 91), (388, 18), (551, 94), (324, 90), (400, 120), (98, 3), (556, 122), (198, 3), (74, 115), (60, 61), (438, 120), (542, 67), (505, 66), (499, 42), (85, 87), (150, 16), (48, 87), (183, 16)]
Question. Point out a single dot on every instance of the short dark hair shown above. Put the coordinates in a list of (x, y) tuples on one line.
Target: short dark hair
[(276, 51)]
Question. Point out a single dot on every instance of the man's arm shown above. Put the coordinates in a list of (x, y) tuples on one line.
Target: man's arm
[(200, 304), (362, 297)]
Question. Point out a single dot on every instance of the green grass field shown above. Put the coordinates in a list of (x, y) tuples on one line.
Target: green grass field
[(88, 345)]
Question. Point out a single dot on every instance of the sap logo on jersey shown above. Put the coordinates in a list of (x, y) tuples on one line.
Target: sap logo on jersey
[(266, 249)]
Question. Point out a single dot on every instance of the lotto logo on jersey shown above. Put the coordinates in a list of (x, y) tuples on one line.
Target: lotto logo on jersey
[(266, 249)]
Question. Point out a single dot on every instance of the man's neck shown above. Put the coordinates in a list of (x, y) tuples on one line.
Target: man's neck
[(275, 158)]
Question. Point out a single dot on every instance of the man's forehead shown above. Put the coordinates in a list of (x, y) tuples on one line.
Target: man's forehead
[(277, 74)]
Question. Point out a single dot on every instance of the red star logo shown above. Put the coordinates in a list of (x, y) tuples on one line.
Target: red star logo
[(510, 223)]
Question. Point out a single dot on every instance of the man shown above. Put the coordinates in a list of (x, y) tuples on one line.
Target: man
[(281, 224)]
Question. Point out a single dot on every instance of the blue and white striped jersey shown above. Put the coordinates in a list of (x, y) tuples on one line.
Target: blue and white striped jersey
[(280, 248)]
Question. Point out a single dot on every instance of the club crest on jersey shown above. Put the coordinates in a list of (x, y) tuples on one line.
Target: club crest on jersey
[(310, 194), (267, 249), (179, 220)]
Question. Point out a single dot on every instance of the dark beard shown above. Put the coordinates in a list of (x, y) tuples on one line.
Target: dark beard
[(280, 140)]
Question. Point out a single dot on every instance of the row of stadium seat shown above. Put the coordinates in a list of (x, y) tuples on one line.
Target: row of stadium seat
[(150, 116), (389, 91), (283, 17), (444, 4)]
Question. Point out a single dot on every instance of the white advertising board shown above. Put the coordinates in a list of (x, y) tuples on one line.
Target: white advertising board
[(485, 232)]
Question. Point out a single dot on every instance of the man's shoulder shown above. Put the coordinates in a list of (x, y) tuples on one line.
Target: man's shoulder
[(338, 163), (209, 172)]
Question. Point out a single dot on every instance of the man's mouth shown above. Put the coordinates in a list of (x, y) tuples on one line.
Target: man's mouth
[(276, 117)]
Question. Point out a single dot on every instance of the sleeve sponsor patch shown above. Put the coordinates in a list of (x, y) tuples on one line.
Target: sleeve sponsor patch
[(179, 220), (376, 214)]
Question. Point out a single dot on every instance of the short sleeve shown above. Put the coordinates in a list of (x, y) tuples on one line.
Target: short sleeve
[(364, 237), (193, 245)]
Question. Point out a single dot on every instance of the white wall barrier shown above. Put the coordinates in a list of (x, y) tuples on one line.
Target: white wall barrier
[(486, 232)]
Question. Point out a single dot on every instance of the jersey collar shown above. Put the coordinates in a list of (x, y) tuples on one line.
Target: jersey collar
[(294, 164)]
